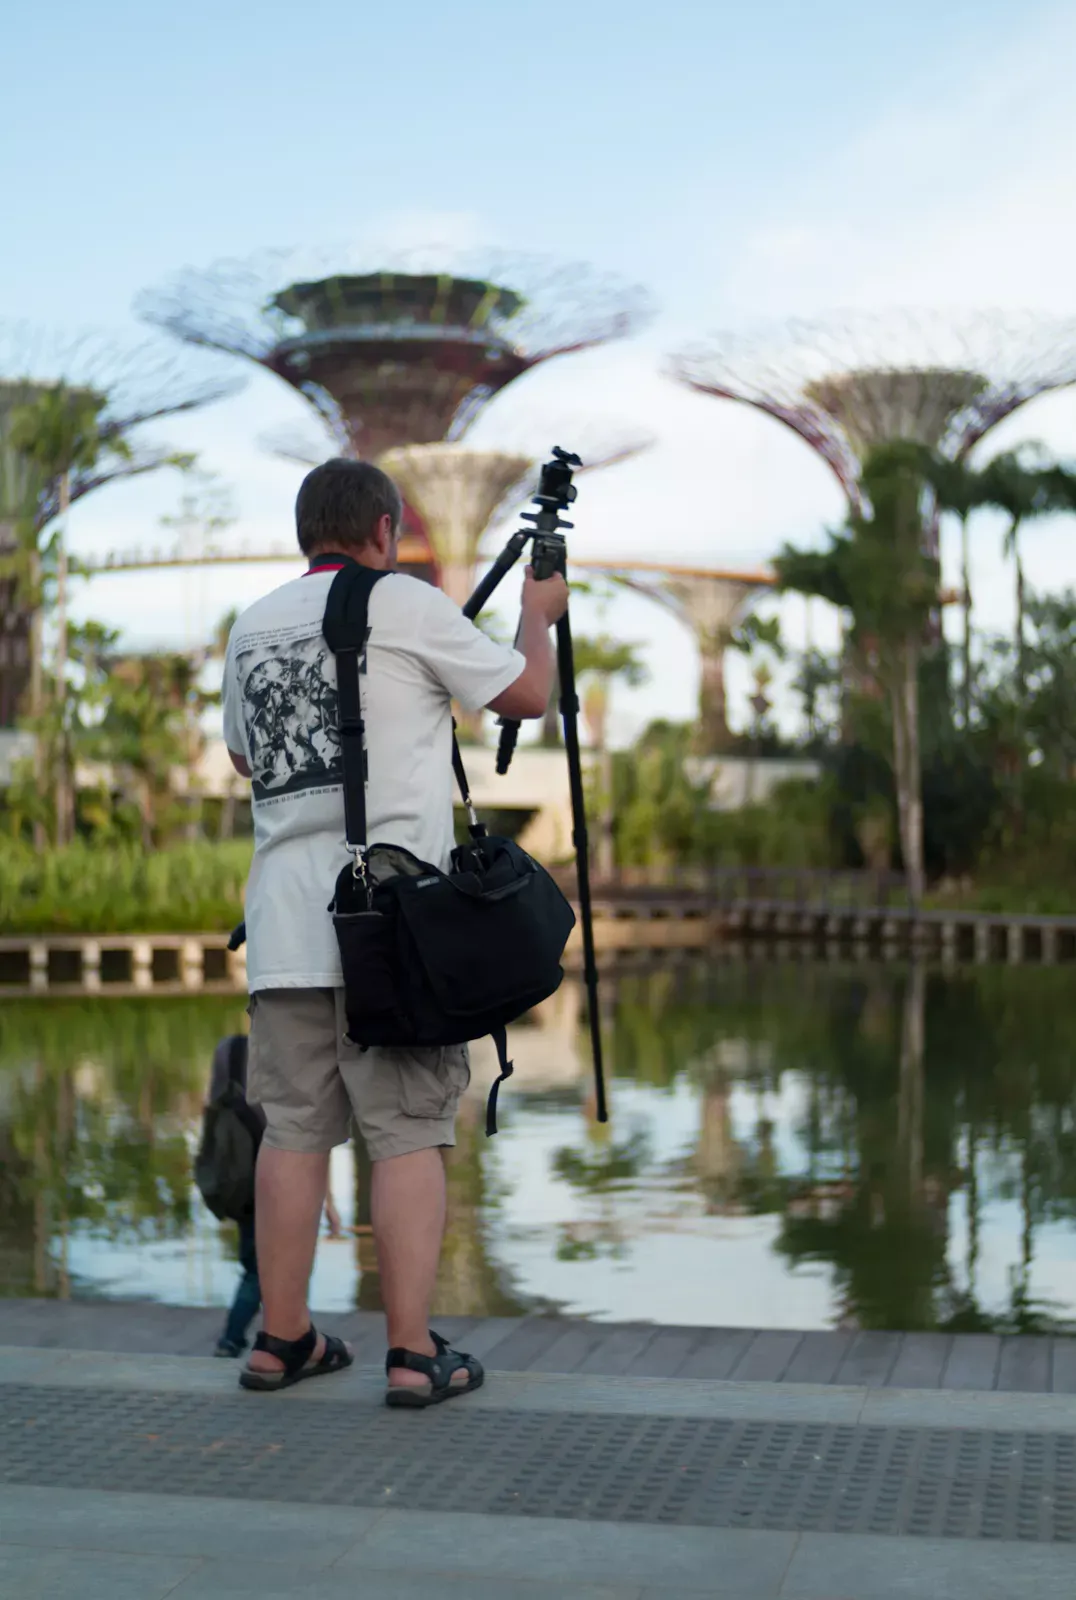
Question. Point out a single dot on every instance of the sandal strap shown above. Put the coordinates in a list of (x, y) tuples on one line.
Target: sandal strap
[(334, 1355), (294, 1353), (438, 1368)]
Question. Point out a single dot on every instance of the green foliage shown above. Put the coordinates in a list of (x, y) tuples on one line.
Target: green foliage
[(604, 657), (660, 813), (875, 568), (664, 816), (1049, 706), (119, 888)]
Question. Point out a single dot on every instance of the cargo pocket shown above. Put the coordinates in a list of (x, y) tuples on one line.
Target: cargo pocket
[(432, 1080)]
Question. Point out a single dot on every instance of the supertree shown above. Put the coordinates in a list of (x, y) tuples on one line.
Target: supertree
[(117, 388), (395, 352), (457, 492), (460, 493), (710, 603), (852, 381)]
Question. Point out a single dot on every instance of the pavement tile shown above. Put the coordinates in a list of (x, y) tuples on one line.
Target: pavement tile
[(835, 1566), (310, 1537), (24, 1365), (714, 1590), (930, 1408), (214, 1581), (750, 1563), (27, 1574)]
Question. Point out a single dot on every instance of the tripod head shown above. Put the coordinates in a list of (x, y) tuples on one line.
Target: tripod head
[(556, 491)]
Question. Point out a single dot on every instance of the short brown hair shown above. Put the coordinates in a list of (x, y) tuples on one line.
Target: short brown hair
[(341, 502)]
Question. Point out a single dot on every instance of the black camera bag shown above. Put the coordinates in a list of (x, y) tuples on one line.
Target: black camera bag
[(431, 957)]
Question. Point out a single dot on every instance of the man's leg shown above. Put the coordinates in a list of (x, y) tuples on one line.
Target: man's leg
[(407, 1205), (405, 1105), (289, 1195), (293, 1075)]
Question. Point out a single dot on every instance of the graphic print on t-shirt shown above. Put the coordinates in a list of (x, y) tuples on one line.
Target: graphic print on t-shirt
[(290, 712)]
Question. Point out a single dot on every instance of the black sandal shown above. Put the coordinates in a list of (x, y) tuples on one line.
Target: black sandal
[(439, 1369), (296, 1355)]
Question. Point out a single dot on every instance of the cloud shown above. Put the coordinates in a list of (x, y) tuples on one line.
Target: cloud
[(439, 233), (961, 192)]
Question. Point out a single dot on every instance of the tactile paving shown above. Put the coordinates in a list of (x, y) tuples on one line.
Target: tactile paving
[(933, 1482)]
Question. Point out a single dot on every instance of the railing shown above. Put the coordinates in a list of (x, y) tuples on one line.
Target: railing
[(722, 887)]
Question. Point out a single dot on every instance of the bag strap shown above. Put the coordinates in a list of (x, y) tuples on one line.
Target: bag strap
[(345, 623), (346, 632), (500, 1041), (476, 829)]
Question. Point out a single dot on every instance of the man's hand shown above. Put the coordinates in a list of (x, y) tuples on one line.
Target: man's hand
[(544, 602), (545, 597)]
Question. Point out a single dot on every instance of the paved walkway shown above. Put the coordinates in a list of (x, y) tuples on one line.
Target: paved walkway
[(137, 1476), (600, 1349)]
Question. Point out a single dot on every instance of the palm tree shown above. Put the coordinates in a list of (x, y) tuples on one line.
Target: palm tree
[(959, 489), (58, 434), (876, 568), (598, 661), (1023, 485), (58, 442)]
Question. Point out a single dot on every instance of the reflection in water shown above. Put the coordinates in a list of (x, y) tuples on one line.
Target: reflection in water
[(796, 1145)]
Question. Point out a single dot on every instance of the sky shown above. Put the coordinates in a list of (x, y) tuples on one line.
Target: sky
[(745, 164)]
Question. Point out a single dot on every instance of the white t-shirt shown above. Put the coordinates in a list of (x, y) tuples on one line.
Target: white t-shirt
[(280, 712)]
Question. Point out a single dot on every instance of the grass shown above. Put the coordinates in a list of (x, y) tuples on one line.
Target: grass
[(88, 888)]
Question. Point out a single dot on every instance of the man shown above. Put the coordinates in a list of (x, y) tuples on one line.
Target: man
[(421, 653)]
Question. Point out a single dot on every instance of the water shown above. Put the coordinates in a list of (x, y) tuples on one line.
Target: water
[(793, 1145)]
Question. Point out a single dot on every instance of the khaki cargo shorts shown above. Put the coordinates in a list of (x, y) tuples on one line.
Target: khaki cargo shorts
[(310, 1081)]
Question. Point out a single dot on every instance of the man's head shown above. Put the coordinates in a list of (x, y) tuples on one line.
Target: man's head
[(350, 506)]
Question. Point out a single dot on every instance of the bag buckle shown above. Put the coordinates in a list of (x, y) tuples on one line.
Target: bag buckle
[(359, 869)]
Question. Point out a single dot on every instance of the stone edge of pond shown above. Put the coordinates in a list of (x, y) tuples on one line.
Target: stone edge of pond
[(553, 1392)]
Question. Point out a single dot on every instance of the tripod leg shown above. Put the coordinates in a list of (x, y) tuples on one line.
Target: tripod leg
[(569, 710)]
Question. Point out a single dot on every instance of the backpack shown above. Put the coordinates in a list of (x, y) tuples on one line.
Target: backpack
[(231, 1134), (432, 957)]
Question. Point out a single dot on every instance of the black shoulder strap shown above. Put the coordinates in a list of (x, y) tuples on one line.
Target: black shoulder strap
[(346, 632)]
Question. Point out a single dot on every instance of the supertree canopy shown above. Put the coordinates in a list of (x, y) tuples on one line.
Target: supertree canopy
[(394, 353), (458, 493), (852, 381), (710, 603), (120, 388)]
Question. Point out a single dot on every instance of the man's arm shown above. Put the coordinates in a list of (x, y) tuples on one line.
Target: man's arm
[(544, 603), (240, 764)]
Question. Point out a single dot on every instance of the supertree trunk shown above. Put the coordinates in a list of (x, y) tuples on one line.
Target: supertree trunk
[(710, 603), (713, 726)]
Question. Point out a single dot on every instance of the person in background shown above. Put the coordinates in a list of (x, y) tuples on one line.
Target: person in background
[(248, 1295)]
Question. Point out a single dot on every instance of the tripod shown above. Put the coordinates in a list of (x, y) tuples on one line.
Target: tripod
[(549, 555)]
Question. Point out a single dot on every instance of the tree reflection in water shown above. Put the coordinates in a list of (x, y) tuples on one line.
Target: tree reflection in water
[(96, 1105), (884, 1117)]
